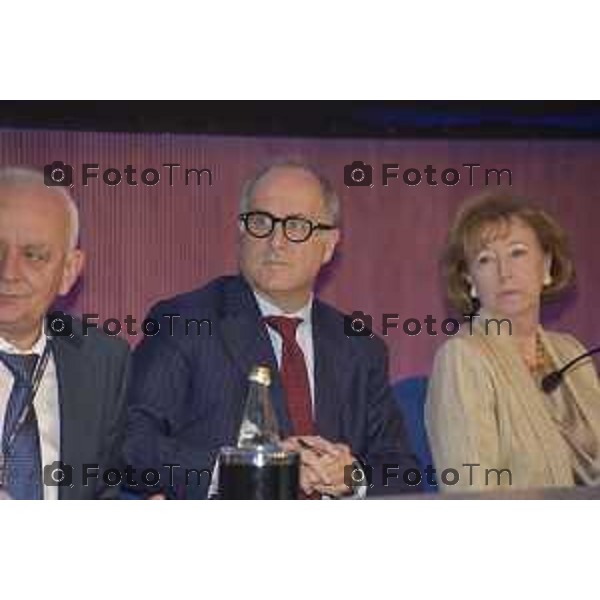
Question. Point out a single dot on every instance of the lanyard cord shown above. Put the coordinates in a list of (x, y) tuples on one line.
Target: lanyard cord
[(36, 380)]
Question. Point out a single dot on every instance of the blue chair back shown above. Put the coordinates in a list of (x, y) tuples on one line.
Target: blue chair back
[(410, 394)]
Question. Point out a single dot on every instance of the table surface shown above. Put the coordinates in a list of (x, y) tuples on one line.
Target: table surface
[(549, 493)]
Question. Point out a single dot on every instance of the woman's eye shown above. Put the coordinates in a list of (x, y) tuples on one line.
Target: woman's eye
[(519, 252), (484, 259)]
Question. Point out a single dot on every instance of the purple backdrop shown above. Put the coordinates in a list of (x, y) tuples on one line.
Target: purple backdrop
[(145, 243)]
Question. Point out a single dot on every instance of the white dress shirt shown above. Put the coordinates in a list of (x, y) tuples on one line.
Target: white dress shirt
[(304, 336), (45, 404)]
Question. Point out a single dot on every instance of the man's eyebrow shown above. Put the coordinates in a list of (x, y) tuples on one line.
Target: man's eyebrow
[(36, 244), (311, 217), (295, 215), (40, 246)]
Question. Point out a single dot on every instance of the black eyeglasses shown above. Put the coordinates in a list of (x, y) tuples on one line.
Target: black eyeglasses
[(260, 224)]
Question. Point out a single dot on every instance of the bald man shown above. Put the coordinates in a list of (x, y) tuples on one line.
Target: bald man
[(330, 392), (62, 394)]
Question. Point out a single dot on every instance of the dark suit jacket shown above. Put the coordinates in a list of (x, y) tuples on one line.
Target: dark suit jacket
[(187, 391), (92, 380)]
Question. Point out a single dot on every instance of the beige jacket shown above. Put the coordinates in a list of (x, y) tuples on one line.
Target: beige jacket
[(483, 407)]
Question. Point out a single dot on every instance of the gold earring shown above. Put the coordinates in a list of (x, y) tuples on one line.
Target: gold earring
[(473, 292), (547, 279)]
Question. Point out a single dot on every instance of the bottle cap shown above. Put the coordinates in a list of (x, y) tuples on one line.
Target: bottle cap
[(260, 374)]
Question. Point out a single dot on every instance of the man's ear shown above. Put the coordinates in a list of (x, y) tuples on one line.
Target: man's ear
[(331, 241), (72, 270)]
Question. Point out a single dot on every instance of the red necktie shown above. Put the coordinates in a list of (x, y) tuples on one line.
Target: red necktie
[(294, 376)]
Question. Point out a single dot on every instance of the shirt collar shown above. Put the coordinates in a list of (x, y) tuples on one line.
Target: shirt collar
[(37, 348), (268, 309)]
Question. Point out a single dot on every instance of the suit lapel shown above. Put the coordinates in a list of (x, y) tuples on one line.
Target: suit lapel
[(328, 365), (248, 344), (74, 400)]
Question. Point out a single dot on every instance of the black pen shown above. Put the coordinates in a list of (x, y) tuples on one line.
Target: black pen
[(307, 446)]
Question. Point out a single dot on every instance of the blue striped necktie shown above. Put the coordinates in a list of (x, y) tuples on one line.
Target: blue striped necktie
[(20, 439)]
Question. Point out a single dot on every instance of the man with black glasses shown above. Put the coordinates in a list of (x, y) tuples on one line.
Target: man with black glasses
[(330, 392)]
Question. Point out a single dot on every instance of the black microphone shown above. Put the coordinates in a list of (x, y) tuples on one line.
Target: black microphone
[(551, 381)]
